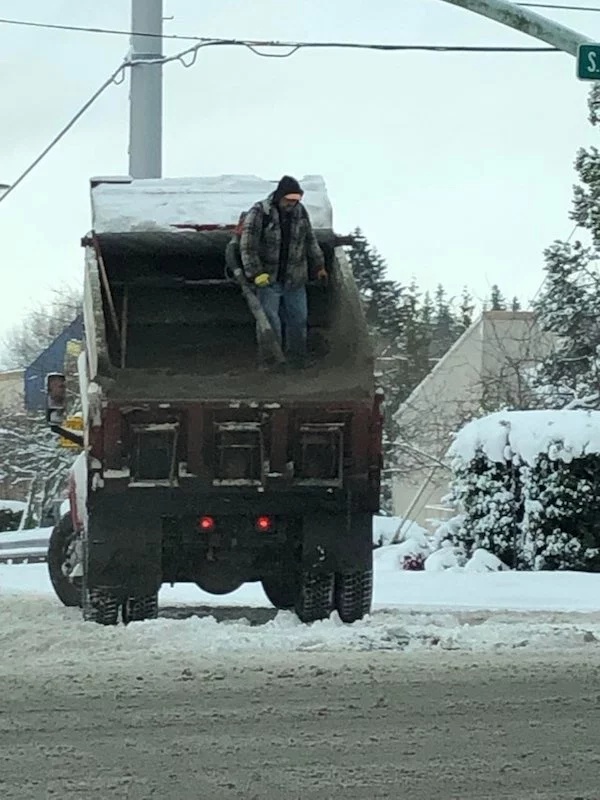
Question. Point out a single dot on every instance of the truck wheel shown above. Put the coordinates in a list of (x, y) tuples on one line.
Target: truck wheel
[(137, 609), (353, 594), (101, 606), (281, 591), (62, 559), (314, 599)]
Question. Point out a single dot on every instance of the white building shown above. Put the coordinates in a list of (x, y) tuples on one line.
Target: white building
[(485, 368), (11, 389)]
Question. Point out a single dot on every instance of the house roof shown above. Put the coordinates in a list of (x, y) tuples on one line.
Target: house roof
[(476, 328)]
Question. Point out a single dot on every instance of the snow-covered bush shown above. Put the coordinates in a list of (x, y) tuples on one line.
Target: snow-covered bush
[(392, 530), (528, 486), (485, 491), (412, 552), (11, 512), (31, 457), (482, 561), (447, 557), (560, 520)]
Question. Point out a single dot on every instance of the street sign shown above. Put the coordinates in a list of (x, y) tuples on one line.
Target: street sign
[(588, 62)]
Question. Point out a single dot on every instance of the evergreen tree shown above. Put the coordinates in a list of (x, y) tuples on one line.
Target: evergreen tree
[(515, 304), (569, 305), (381, 297), (416, 342), (465, 314), (385, 311), (444, 328), (427, 312), (497, 299)]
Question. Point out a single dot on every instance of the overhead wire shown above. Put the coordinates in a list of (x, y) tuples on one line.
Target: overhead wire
[(252, 44)]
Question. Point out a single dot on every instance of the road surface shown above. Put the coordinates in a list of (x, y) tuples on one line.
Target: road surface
[(429, 725)]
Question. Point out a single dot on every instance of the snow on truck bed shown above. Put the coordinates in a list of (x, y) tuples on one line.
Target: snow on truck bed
[(159, 204)]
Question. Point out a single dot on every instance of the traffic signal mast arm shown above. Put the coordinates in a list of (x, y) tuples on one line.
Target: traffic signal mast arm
[(526, 21)]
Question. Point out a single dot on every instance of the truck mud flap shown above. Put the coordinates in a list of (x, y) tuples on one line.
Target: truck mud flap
[(124, 553), (337, 542)]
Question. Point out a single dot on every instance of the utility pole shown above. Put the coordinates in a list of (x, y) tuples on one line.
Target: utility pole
[(145, 98), (526, 21)]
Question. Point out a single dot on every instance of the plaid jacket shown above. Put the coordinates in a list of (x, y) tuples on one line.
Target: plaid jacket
[(260, 244)]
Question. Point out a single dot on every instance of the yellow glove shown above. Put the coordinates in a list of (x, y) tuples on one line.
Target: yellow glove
[(262, 280)]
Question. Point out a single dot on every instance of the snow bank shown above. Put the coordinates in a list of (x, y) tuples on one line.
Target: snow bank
[(413, 611), (394, 588), (561, 434), (12, 505), (38, 635), (385, 528), (498, 590), (158, 204)]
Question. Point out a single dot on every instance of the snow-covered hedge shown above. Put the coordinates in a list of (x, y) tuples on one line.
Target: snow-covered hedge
[(528, 486), (11, 512), (484, 490)]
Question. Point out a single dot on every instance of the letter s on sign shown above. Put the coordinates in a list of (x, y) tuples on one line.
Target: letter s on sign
[(592, 62)]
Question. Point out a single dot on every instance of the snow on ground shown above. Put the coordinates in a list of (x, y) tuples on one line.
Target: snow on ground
[(413, 610)]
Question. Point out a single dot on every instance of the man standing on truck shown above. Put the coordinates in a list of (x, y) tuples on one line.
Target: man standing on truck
[(280, 253)]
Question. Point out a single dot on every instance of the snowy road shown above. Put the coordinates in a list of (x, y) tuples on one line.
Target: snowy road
[(453, 725), (432, 696)]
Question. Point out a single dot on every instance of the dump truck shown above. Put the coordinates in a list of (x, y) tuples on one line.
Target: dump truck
[(195, 465)]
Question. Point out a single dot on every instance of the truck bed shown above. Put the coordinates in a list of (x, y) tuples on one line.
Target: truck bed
[(165, 320), (235, 383)]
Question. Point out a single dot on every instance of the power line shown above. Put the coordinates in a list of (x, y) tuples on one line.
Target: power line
[(83, 29), (253, 44), (192, 52)]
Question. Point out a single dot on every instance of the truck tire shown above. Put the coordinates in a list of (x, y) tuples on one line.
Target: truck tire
[(101, 606), (353, 594), (314, 600), (138, 609), (60, 553), (282, 591)]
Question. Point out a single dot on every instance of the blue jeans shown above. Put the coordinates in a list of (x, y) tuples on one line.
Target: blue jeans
[(287, 311)]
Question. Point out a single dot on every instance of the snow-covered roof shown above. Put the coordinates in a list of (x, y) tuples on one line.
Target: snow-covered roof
[(562, 435), (125, 205)]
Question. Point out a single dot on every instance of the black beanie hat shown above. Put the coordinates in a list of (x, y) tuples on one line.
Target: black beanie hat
[(287, 185)]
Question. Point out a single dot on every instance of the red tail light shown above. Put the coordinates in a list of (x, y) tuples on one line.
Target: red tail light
[(206, 524), (264, 524)]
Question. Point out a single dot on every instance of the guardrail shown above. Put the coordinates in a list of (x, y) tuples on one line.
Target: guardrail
[(23, 547)]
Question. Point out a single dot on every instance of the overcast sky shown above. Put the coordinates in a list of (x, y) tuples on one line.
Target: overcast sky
[(458, 167)]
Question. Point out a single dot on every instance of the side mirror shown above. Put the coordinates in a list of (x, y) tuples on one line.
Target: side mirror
[(56, 397)]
